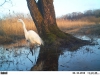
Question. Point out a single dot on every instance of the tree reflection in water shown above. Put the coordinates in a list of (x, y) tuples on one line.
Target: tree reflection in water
[(51, 59), (85, 58), (48, 59)]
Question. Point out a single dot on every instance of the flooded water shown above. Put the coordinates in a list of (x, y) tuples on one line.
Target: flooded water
[(17, 59), (86, 58)]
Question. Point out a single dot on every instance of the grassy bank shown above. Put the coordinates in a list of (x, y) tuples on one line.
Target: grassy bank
[(79, 27), (11, 31)]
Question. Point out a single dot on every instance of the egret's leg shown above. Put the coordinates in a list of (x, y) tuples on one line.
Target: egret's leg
[(31, 49)]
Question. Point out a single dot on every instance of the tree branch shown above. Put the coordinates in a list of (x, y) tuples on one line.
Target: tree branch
[(47, 10), (35, 13), (4, 2), (43, 14)]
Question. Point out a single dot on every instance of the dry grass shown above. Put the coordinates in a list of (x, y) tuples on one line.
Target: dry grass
[(68, 24), (12, 31), (12, 27), (79, 27)]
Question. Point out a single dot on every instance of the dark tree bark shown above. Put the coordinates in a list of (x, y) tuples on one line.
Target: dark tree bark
[(43, 15), (48, 60)]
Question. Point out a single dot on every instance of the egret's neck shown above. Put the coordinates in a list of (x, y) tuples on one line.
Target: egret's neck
[(25, 30)]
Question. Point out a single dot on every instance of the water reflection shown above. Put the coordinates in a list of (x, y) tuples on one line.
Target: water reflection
[(18, 59), (86, 58), (48, 60)]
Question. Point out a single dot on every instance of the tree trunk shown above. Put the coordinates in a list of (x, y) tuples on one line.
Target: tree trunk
[(43, 15)]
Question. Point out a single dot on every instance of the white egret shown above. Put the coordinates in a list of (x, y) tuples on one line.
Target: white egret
[(31, 37)]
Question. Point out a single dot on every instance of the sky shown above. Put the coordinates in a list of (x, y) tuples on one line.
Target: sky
[(62, 7)]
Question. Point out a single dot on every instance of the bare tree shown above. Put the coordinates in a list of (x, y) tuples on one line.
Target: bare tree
[(43, 15)]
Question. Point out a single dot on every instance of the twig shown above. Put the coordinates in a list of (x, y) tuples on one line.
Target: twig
[(4, 2), (28, 58)]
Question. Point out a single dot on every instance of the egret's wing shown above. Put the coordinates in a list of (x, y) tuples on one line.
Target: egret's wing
[(34, 37)]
